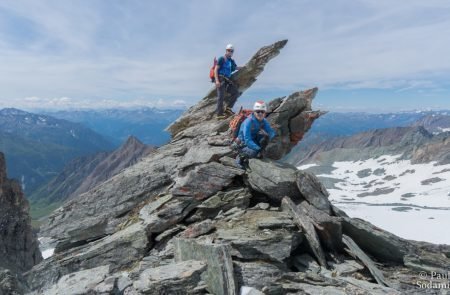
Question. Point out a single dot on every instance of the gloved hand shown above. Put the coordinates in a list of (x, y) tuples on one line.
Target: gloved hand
[(264, 142), (263, 133)]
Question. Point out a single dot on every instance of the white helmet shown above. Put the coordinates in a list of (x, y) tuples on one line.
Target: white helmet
[(260, 106), (229, 46)]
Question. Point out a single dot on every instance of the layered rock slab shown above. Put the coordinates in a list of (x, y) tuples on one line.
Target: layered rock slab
[(219, 274), (244, 78), (118, 251), (98, 212), (251, 238), (291, 117), (178, 278)]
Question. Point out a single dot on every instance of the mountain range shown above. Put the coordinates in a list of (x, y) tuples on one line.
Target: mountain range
[(387, 175), (334, 125), (117, 125), (37, 147), (84, 173), (435, 123)]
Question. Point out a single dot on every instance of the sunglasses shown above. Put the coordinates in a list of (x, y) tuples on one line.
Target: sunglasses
[(230, 50), (260, 112)]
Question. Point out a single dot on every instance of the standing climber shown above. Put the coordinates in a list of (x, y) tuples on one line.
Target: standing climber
[(222, 73), (255, 134)]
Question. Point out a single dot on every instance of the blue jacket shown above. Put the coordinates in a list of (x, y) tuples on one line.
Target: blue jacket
[(226, 66), (248, 133)]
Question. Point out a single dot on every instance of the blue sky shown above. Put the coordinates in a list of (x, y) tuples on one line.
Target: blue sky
[(363, 55)]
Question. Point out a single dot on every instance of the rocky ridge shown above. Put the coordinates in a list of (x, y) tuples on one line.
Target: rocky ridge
[(435, 123), (83, 174), (145, 123), (336, 125), (19, 249), (38, 146), (186, 220), (413, 143)]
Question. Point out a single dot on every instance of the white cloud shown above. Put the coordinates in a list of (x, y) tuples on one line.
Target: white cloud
[(33, 103), (89, 50)]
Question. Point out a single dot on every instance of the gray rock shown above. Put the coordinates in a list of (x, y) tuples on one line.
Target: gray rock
[(169, 214), (379, 243), (305, 263), (329, 228), (108, 286), (250, 291), (304, 288), (305, 223), (233, 212), (356, 252), (81, 282), (276, 180), (219, 140), (249, 242), (203, 153), (220, 275), (222, 200), (276, 222), (225, 200), (262, 206), (227, 161), (348, 267), (170, 232), (146, 212), (178, 278), (292, 117), (161, 254), (313, 191), (338, 212), (428, 262), (130, 291), (10, 283), (205, 180), (427, 257), (354, 286), (257, 274), (19, 248), (198, 229), (123, 282), (119, 250)]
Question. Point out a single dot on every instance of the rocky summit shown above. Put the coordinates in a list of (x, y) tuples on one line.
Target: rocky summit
[(186, 220)]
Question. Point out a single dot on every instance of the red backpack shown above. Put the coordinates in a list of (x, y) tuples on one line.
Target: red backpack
[(211, 71), (236, 122)]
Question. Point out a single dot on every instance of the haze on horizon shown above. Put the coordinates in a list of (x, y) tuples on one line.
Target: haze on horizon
[(363, 55)]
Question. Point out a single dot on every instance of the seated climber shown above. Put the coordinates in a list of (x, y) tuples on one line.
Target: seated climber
[(254, 135), (222, 72)]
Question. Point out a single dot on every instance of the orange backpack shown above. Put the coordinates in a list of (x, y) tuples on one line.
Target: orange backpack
[(236, 122), (211, 71)]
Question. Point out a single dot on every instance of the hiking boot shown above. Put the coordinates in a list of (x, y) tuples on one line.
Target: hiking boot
[(239, 163), (221, 117), (229, 111)]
